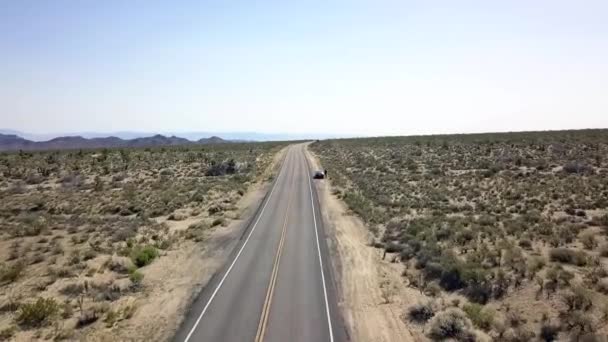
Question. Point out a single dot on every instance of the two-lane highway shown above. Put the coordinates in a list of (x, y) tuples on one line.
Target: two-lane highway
[(277, 286)]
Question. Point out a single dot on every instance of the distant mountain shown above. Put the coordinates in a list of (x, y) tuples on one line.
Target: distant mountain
[(12, 142), (190, 135)]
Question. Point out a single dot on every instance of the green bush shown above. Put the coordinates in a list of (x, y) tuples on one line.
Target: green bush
[(143, 256), (38, 313), (136, 277), (483, 318)]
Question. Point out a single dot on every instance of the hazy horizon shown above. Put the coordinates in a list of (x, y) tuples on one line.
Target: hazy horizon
[(345, 68)]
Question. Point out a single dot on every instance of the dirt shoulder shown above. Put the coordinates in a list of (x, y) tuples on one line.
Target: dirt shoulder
[(372, 297)]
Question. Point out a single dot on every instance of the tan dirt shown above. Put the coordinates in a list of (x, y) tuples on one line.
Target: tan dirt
[(372, 296)]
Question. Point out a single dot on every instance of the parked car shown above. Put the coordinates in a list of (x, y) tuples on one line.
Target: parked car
[(318, 175)]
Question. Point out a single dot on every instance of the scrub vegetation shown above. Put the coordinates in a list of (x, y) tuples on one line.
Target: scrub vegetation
[(505, 235), (80, 231)]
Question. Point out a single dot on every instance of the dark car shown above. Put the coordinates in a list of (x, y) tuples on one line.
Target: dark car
[(318, 175)]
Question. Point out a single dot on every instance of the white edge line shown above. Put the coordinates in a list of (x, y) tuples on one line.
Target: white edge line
[(234, 261), (331, 333)]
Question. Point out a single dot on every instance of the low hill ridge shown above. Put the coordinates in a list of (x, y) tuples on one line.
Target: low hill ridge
[(12, 142)]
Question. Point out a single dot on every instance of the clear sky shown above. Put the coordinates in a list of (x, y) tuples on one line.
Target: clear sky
[(345, 67)]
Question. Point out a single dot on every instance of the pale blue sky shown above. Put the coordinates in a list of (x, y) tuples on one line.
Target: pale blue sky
[(346, 67)]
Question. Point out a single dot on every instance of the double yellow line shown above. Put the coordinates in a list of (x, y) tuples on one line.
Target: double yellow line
[(259, 337)]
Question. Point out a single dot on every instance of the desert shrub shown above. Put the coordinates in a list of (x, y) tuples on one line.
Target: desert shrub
[(33, 179), (555, 276), (525, 244), (136, 277), (588, 240), (518, 334), (479, 292), (480, 316), (72, 290), (164, 244), (604, 251), (421, 313), (578, 323), (548, 332), (602, 286), (111, 318), (221, 168), (451, 277), (452, 323), (432, 289), (576, 167), (9, 274), (578, 299), (87, 317), (142, 256), (105, 291), (536, 264), (120, 265), (568, 256), (198, 226), (61, 272), (124, 234), (591, 337), (166, 172), (218, 221), (177, 217), (38, 313), (89, 254), (393, 247), (7, 333), (67, 310)]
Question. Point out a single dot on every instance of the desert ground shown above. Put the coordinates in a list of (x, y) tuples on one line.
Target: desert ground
[(114, 244), (470, 237)]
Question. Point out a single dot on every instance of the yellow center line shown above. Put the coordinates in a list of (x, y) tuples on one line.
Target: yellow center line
[(259, 337)]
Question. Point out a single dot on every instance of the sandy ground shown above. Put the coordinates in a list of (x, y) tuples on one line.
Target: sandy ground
[(372, 296), (175, 280)]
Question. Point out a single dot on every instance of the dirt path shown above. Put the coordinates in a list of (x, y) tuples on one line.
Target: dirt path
[(372, 297)]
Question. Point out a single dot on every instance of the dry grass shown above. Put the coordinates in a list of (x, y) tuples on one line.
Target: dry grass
[(80, 229), (515, 223)]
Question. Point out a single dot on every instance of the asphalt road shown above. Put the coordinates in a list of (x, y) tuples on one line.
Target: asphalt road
[(277, 285)]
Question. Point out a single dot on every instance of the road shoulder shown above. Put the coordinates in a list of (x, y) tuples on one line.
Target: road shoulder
[(371, 301)]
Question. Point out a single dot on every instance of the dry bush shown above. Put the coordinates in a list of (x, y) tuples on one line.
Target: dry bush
[(578, 298), (10, 273), (421, 313), (452, 323), (569, 256)]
